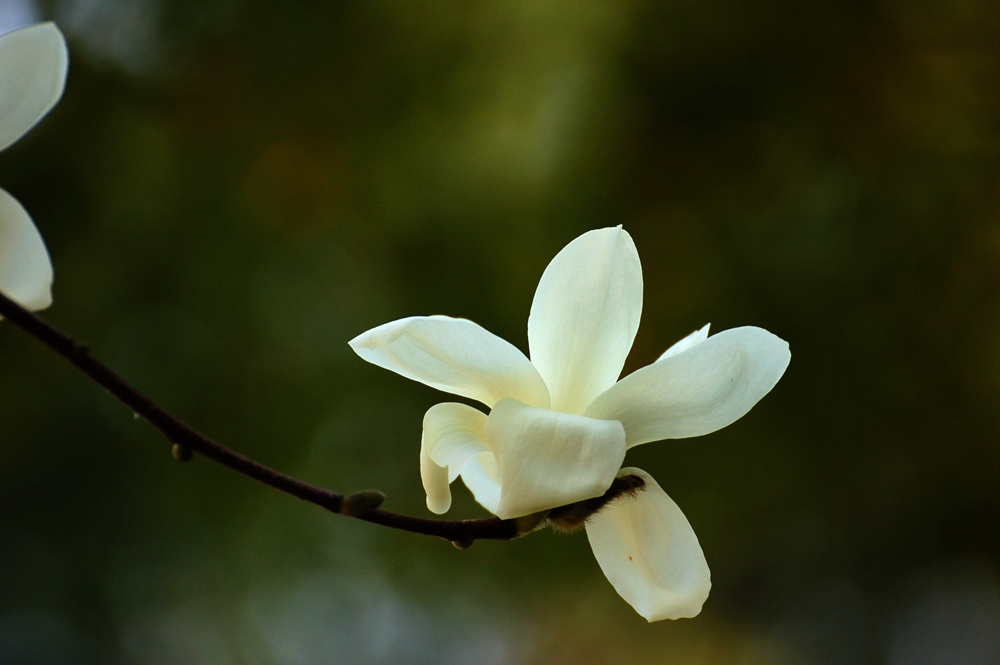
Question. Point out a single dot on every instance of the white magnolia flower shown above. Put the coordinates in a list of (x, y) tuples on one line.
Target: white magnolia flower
[(559, 424), (33, 64)]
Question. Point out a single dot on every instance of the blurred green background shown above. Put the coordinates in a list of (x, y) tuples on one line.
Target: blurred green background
[(232, 189)]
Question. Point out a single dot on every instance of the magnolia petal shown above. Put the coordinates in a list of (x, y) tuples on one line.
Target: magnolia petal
[(435, 481), (692, 340), (482, 477), (650, 554), (546, 459), (696, 392), (453, 355), (584, 317), (453, 433), (33, 66), (25, 268)]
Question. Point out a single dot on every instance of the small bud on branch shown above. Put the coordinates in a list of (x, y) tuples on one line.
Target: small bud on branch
[(181, 453), (359, 503)]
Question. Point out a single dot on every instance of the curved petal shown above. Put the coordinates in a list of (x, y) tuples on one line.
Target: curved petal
[(435, 481), (453, 355), (546, 459), (649, 553), (584, 317), (692, 340), (453, 433), (33, 65), (696, 392), (482, 478), (25, 268)]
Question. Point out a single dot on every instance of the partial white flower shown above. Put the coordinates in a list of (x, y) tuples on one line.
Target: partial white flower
[(559, 424), (33, 66)]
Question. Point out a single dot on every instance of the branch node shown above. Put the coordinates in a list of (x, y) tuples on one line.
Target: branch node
[(359, 503), (463, 544), (181, 453)]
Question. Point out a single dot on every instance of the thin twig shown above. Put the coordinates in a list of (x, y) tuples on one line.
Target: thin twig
[(460, 532)]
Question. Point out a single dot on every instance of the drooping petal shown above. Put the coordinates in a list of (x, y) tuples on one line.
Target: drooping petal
[(692, 340), (584, 317), (649, 553), (25, 268), (453, 433), (453, 355), (435, 482), (33, 65), (696, 392), (546, 459)]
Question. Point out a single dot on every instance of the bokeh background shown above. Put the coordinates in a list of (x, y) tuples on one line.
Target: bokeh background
[(232, 189)]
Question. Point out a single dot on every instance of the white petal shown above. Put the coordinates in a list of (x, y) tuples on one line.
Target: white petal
[(546, 459), (584, 317), (481, 476), (696, 392), (25, 268), (453, 433), (33, 64), (649, 553), (692, 340), (454, 355), (435, 481)]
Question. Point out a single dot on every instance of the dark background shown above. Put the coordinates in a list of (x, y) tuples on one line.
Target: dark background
[(231, 190)]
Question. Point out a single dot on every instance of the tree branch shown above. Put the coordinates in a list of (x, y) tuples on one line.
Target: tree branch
[(461, 532)]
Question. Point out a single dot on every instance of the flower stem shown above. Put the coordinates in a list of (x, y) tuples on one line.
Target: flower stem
[(187, 440)]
